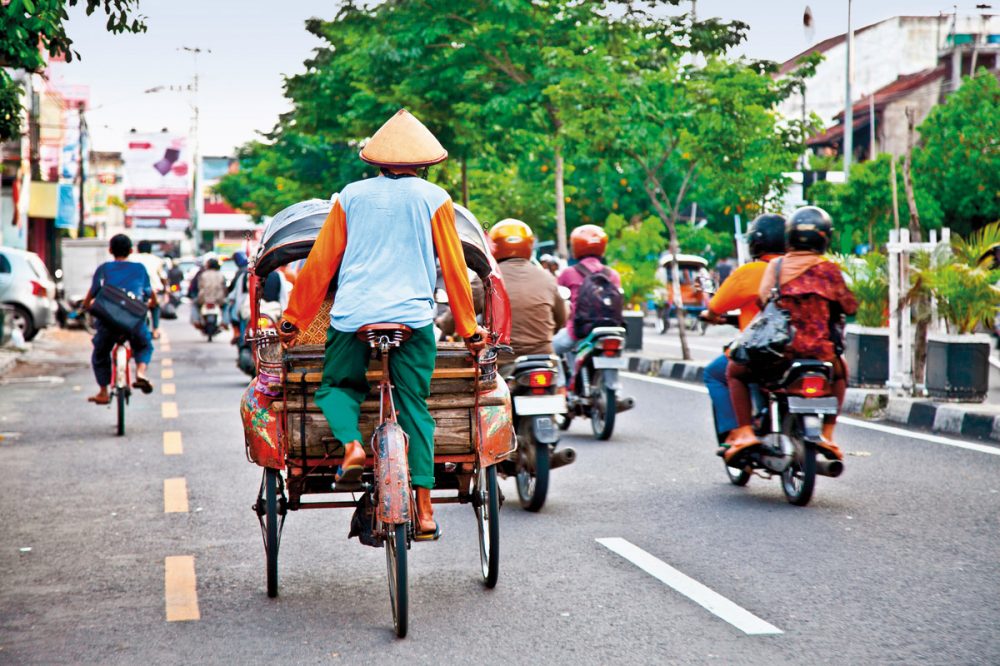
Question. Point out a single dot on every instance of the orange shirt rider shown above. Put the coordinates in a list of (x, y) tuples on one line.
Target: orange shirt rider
[(739, 291)]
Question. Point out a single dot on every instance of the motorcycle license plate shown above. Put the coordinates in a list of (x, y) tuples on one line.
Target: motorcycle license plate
[(610, 363), (826, 405), (533, 405)]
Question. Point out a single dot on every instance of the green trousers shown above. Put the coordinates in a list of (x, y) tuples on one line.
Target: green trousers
[(344, 388)]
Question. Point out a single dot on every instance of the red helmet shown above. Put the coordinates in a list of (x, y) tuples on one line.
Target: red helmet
[(512, 238), (588, 241)]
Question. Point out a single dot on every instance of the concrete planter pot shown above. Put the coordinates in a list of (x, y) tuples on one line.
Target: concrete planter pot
[(867, 352), (958, 367)]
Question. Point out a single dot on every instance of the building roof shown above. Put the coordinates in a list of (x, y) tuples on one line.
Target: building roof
[(827, 44), (901, 87)]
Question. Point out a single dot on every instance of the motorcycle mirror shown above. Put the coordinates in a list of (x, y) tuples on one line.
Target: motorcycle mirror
[(59, 273)]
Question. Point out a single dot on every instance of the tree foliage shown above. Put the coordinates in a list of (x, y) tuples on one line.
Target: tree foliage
[(862, 207), (29, 28), (958, 162)]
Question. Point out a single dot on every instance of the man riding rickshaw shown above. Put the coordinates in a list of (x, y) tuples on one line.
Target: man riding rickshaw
[(381, 237)]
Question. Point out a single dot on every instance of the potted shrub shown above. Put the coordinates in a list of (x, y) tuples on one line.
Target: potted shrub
[(866, 341), (967, 291)]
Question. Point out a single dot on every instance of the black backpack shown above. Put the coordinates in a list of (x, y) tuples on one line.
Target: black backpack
[(598, 302)]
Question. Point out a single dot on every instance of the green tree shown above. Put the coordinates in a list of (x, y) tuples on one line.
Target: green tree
[(958, 161), (862, 207), (29, 27)]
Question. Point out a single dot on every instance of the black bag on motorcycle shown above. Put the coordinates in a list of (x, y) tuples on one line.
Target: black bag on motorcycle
[(763, 342), (117, 309), (598, 302)]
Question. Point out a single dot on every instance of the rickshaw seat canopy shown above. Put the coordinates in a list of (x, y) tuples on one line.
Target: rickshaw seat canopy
[(666, 258), (290, 235)]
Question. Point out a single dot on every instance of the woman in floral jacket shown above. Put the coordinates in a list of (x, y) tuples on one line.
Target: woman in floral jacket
[(815, 296)]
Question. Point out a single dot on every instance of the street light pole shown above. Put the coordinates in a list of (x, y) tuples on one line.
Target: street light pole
[(849, 108), (195, 200)]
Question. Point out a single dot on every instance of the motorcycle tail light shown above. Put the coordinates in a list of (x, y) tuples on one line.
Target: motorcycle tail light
[(611, 346), (541, 379), (38, 289), (812, 386)]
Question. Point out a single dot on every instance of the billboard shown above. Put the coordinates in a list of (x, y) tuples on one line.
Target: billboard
[(157, 176), (212, 171)]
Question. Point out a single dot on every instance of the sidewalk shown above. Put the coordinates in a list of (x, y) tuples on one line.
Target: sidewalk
[(661, 357), (54, 351)]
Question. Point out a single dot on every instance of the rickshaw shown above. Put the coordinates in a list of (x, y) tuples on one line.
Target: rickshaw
[(697, 288), (289, 437)]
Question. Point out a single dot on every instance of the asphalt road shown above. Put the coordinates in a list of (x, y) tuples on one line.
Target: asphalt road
[(894, 562)]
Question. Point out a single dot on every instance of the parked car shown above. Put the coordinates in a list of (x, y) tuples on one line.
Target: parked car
[(27, 286)]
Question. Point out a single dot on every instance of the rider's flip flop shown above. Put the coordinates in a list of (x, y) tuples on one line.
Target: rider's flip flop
[(349, 476), (429, 536), (143, 385)]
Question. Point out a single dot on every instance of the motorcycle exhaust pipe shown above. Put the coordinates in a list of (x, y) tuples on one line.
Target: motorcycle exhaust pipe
[(832, 468), (624, 404), (562, 457)]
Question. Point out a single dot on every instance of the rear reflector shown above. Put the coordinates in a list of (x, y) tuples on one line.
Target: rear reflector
[(541, 379), (38, 289)]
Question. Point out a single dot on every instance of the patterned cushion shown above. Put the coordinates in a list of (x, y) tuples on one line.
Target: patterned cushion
[(315, 333)]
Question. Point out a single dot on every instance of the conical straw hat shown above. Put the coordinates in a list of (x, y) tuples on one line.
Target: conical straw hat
[(403, 141)]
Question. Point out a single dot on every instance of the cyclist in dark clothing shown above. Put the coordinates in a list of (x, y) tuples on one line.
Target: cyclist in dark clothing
[(133, 278)]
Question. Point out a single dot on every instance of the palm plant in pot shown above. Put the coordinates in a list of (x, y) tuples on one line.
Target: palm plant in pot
[(962, 280), (866, 341)]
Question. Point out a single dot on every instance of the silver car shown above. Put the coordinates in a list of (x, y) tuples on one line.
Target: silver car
[(27, 286)]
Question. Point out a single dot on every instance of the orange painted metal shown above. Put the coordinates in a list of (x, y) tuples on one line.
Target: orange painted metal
[(495, 432)]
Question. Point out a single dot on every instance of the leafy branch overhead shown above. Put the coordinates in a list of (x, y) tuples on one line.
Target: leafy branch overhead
[(31, 28)]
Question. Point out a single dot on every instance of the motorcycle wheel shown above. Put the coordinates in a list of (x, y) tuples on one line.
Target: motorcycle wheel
[(532, 468), (799, 479), (603, 407)]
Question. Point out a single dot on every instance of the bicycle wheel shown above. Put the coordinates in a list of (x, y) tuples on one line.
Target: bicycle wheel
[(272, 532), (120, 399), (395, 560), (487, 508)]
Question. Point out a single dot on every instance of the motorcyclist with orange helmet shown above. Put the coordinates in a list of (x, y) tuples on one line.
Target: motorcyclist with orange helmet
[(587, 245), (537, 309)]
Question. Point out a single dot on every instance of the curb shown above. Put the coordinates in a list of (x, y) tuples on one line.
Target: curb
[(949, 418)]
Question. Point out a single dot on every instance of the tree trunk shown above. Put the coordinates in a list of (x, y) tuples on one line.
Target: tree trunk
[(561, 245), (921, 307), (465, 183), (911, 202), (678, 298)]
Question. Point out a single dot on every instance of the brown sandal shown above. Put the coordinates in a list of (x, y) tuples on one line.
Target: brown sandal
[(97, 399)]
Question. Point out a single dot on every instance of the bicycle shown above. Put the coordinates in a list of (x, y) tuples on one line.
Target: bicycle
[(121, 376)]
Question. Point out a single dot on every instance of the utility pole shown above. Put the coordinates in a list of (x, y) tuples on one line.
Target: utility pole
[(195, 200), (849, 108), (81, 174)]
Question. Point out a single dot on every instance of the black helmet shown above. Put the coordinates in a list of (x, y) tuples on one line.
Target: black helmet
[(766, 235), (809, 229)]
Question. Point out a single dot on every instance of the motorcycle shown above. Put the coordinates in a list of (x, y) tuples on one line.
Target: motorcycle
[(593, 386), (788, 419), (533, 385), (211, 319), (168, 309)]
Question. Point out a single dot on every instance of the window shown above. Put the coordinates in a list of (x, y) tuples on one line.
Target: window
[(4, 264)]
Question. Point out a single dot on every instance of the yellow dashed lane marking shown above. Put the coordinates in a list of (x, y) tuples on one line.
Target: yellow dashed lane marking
[(175, 495), (169, 410), (172, 444), (168, 389), (166, 373), (167, 362), (181, 589)]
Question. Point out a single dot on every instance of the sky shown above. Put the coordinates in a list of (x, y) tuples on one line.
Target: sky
[(255, 43)]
